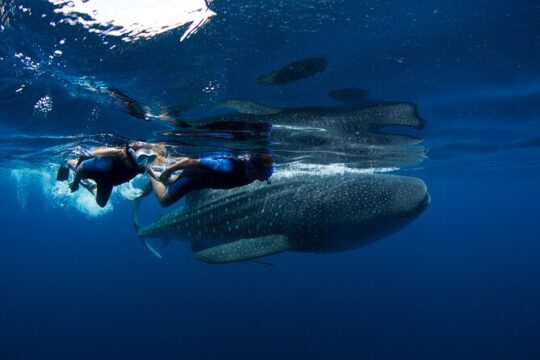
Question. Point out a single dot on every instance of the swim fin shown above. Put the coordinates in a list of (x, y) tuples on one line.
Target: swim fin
[(63, 173)]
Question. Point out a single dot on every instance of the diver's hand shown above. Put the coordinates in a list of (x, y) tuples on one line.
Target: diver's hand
[(151, 173), (165, 175)]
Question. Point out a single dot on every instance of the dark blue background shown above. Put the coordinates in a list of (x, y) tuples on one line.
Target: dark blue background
[(460, 282)]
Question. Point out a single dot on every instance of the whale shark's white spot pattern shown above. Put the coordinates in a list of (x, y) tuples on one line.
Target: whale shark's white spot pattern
[(308, 210)]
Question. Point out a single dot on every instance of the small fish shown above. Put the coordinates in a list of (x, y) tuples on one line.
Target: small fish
[(295, 71)]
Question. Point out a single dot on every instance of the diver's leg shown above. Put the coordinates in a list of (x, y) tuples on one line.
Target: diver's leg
[(103, 194), (74, 186), (89, 169), (160, 190), (72, 164), (78, 169), (169, 195)]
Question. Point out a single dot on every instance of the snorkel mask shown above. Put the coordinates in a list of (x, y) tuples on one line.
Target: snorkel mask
[(143, 157)]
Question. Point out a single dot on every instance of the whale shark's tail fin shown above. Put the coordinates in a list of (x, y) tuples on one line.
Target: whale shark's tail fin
[(244, 249), (137, 226)]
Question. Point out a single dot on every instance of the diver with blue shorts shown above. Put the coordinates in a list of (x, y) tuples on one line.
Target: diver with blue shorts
[(107, 167), (217, 172)]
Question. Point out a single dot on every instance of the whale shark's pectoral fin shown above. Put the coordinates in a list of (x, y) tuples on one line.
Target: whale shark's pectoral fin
[(244, 249), (249, 107), (137, 226), (150, 248)]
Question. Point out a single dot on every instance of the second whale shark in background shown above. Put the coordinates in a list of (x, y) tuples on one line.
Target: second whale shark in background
[(361, 129), (298, 212)]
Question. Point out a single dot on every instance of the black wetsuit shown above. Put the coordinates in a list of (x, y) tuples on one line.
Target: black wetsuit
[(107, 172), (220, 173)]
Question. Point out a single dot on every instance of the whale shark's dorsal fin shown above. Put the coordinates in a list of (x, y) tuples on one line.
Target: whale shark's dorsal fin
[(244, 249), (250, 108)]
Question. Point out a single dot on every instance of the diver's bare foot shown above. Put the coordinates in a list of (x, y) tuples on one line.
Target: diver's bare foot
[(164, 176)]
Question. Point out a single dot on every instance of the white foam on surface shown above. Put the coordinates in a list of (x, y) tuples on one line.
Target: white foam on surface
[(58, 193), (81, 200), (133, 189), (297, 169), (135, 19)]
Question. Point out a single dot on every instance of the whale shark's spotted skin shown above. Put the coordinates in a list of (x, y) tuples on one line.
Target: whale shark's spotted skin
[(308, 213)]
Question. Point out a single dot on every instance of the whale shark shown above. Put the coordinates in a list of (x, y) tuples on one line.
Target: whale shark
[(310, 213), (362, 131)]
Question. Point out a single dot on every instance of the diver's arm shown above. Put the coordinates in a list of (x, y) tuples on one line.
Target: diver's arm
[(184, 163), (159, 177), (105, 151), (180, 164)]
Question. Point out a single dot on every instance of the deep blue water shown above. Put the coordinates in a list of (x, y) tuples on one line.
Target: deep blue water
[(461, 281)]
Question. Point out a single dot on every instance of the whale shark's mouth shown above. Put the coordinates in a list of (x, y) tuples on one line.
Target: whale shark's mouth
[(427, 200), (421, 207)]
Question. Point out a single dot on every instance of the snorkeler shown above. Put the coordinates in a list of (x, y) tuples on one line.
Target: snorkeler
[(107, 167), (209, 173)]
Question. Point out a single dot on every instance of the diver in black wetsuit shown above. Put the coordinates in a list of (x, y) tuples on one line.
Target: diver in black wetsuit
[(107, 167), (209, 173)]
